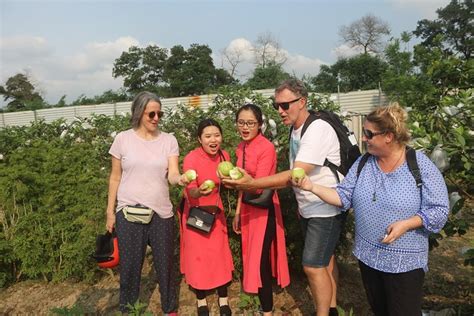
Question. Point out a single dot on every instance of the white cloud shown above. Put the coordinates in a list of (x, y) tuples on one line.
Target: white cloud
[(344, 51), (295, 63), (300, 65), (426, 7), (89, 71), (240, 52), (23, 48)]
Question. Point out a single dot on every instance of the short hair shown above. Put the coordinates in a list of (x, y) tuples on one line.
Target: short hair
[(391, 118), (294, 85), (206, 123), (139, 104), (254, 109)]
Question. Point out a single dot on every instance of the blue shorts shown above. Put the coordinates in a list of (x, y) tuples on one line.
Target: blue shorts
[(321, 235)]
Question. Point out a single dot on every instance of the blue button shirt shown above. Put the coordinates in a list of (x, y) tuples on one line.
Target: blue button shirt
[(380, 199)]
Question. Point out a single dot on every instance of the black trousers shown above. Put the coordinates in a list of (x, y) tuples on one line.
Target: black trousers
[(265, 293), (221, 292), (133, 239), (393, 294)]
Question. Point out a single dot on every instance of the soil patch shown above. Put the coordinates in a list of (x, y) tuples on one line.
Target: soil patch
[(448, 284)]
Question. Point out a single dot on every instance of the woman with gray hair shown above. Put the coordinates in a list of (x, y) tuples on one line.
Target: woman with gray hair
[(144, 160)]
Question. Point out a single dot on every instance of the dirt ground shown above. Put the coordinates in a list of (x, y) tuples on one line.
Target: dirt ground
[(448, 284)]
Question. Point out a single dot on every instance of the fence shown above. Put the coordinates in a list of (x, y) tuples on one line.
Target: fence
[(356, 104)]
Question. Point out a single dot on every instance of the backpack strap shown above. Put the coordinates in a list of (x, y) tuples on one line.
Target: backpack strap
[(362, 163), (313, 116), (413, 166), (310, 119), (412, 163), (333, 168)]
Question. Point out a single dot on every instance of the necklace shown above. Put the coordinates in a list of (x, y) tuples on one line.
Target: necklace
[(374, 195)]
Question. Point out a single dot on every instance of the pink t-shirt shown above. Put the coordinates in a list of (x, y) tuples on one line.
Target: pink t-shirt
[(144, 170)]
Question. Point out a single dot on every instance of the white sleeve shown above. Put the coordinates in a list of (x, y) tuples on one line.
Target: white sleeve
[(318, 143)]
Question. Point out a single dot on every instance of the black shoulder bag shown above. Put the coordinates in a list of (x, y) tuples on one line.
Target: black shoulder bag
[(202, 218), (262, 200)]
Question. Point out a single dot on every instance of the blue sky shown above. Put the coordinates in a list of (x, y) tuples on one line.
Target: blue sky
[(68, 47)]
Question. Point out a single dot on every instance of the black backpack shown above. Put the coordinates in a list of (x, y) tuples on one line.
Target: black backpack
[(410, 155), (348, 149)]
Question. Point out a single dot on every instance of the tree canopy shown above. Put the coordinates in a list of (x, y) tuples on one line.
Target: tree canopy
[(141, 68), (362, 72), (22, 93), (181, 72), (267, 77), (452, 31)]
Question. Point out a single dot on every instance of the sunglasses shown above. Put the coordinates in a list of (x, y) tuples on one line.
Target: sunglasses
[(284, 105), (151, 115), (369, 134)]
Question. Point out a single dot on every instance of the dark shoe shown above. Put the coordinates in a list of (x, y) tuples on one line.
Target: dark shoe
[(203, 310), (225, 310), (333, 311)]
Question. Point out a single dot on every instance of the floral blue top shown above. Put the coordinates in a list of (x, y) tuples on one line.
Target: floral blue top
[(380, 199)]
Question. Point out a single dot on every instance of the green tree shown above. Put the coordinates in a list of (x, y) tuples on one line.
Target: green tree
[(141, 68), (22, 93), (267, 77), (452, 31), (192, 71), (361, 72)]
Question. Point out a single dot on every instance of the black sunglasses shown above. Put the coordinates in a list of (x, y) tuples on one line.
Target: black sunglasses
[(369, 134), (151, 115), (284, 105)]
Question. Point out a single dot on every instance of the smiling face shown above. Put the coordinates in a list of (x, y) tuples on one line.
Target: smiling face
[(211, 139), (378, 144), (149, 122), (247, 125)]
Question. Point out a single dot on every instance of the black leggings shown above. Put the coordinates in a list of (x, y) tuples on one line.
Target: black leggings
[(265, 293), (221, 291)]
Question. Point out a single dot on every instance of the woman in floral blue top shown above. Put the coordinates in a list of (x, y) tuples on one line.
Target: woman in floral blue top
[(393, 217)]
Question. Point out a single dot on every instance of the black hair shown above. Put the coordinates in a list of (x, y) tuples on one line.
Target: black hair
[(206, 123), (255, 110)]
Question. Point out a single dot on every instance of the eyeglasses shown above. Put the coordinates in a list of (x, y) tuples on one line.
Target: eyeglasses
[(369, 134), (151, 115), (284, 105), (250, 124)]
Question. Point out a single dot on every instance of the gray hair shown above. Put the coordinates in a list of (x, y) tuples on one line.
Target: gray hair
[(294, 85), (139, 104)]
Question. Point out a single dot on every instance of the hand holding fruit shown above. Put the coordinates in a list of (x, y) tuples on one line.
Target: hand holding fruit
[(300, 179), (224, 168), (206, 187), (241, 180), (190, 175), (187, 177)]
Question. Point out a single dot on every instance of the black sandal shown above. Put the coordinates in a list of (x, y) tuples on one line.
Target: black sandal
[(225, 310), (203, 310)]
